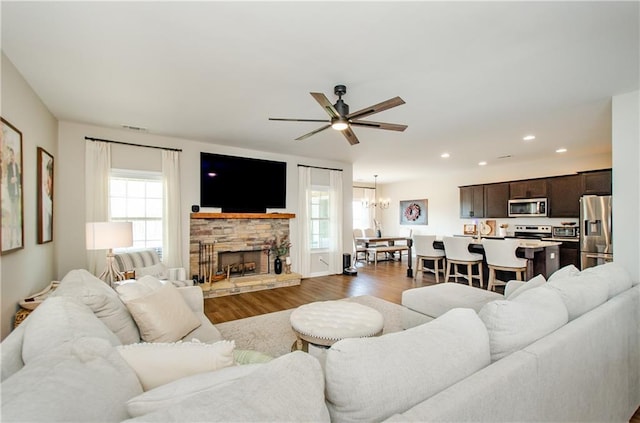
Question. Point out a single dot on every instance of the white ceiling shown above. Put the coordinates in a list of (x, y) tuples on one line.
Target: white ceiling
[(476, 76)]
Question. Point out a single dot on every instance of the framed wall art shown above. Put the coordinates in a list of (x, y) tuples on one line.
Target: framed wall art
[(45, 196), (11, 196), (413, 212)]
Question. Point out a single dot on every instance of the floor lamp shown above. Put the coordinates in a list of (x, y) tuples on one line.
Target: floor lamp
[(107, 236)]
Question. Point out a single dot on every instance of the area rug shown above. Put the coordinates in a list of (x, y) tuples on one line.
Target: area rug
[(272, 334)]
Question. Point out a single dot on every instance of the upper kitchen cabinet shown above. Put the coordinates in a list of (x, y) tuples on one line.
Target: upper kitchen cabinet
[(496, 199), (596, 182), (531, 188), (472, 201), (564, 196)]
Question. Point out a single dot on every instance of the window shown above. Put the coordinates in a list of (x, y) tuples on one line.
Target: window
[(320, 223), (137, 197), (362, 214)]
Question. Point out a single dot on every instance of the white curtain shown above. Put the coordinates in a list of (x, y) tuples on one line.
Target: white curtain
[(97, 167), (171, 221), (335, 227), (304, 192)]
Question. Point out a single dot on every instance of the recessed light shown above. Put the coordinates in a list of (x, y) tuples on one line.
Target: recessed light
[(444, 155), (561, 150), (482, 163), (529, 137)]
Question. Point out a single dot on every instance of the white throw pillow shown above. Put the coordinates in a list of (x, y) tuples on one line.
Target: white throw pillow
[(514, 324), (158, 270), (161, 316), (614, 275), (131, 290), (160, 363), (534, 282), (581, 293), (174, 392), (566, 271), (371, 379)]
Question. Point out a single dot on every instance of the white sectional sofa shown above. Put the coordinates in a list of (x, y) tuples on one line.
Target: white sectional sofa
[(568, 350)]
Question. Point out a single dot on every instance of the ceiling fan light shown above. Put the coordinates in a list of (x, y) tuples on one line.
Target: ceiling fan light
[(340, 124)]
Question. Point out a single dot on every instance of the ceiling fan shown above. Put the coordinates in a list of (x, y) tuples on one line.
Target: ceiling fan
[(341, 120)]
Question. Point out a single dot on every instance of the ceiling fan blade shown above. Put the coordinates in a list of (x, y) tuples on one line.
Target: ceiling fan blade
[(376, 108), (350, 136), (299, 120), (326, 104), (313, 132), (379, 125)]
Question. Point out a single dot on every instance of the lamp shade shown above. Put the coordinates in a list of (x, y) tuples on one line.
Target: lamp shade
[(107, 235)]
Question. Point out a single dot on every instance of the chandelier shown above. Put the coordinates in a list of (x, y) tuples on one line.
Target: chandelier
[(381, 203)]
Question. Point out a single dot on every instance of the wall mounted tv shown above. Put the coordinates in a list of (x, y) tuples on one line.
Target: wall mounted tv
[(241, 184)]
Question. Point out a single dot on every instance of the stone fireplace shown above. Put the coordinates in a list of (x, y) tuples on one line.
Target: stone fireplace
[(227, 251)]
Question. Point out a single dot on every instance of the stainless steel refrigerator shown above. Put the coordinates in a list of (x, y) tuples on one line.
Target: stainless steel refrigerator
[(596, 245)]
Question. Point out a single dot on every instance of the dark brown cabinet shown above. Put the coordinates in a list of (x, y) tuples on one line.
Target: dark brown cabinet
[(496, 200), (531, 188), (597, 182), (569, 254), (472, 201), (564, 196)]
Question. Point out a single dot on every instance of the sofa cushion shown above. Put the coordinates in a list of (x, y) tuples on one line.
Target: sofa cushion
[(181, 389), (614, 275), (581, 293), (160, 363), (289, 388), (161, 313), (370, 379), (534, 282), (102, 300), (59, 321), (514, 324), (563, 272), (86, 381), (435, 300)]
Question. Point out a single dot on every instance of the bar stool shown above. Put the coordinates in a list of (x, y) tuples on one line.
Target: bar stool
[(457, 253), (501, 255), (423, 246)]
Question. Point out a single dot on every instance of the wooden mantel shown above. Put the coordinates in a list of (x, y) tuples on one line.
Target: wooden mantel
[(243, 215)]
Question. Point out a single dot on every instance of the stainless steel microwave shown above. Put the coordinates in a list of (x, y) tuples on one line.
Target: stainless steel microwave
[(532, 207)]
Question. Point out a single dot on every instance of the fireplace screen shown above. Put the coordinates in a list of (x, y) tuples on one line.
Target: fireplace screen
[(241, 263)]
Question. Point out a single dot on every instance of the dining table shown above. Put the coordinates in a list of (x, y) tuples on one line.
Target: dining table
[(391, 239)]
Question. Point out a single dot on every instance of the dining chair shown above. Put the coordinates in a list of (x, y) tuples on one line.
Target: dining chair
[(371, 233), (359, 248), (501, 255), (457, 253), (423, 246)]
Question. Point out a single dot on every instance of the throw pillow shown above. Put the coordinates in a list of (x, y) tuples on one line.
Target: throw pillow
[(514, 324), (371, 379), (102, 300), (581, 293), (160, 363), (566, 271), (175, 392), (161, 316), (145, 285), (534, 282), (158, 270), (614, 275)]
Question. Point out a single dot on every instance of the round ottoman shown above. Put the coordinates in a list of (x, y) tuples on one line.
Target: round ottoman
[(325, 322)]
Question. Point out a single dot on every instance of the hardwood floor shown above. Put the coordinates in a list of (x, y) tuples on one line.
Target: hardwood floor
[(387, 280)]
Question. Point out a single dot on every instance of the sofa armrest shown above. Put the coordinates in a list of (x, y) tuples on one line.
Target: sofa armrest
[(193, 297), (11, 350)]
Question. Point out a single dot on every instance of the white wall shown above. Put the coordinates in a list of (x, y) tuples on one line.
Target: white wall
[(27, 271), (626, 181), (71, 177), (443, 195)]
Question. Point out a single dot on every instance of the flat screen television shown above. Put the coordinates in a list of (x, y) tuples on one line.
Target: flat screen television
[(242, 184)]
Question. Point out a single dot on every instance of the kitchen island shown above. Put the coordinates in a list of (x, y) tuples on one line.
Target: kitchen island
[(543, 256)]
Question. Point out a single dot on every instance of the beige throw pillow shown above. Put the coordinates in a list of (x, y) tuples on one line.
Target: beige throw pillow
[(157, 364), (162, 315)]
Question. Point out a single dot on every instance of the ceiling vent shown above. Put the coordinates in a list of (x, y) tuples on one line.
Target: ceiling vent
[(134, 128)]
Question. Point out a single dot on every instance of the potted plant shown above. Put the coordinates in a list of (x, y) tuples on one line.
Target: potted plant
[(279, 248)]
